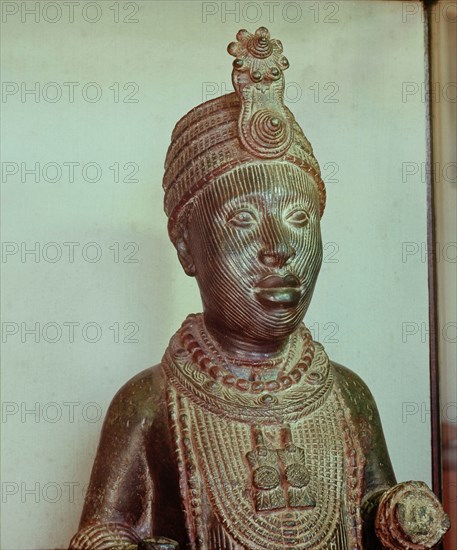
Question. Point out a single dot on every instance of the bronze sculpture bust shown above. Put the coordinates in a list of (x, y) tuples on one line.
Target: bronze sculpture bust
[(247, 436)]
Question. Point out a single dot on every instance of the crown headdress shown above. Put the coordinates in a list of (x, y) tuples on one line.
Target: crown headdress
[(237, 129)]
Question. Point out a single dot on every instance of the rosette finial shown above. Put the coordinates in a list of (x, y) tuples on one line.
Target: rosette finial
[(265, 126)]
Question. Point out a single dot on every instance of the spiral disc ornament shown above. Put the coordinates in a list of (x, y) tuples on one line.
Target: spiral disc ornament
[(270, 132)]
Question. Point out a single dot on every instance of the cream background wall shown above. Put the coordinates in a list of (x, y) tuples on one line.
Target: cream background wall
[(105, 306)]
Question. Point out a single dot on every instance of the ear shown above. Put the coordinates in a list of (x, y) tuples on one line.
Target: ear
[(184, 255)]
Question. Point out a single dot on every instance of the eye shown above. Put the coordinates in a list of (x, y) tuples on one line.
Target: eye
[(298, 218), (242, 218)]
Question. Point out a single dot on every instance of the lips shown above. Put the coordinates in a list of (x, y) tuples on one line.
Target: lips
[(277, 290), (277, 281)]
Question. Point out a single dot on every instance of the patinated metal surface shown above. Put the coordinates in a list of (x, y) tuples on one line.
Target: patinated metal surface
[(247, 436)]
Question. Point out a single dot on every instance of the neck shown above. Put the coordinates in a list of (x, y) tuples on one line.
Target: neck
[(243, 348)]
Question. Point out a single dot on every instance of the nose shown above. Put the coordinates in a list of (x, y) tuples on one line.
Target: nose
[(276, 251), (276, 256)]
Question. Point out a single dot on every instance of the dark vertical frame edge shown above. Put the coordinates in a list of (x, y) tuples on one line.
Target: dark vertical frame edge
[(432, 276)]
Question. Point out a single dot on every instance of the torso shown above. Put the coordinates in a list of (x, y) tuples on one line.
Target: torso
[(270, 469)]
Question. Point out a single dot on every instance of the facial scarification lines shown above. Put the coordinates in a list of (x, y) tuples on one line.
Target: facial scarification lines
[(234, 255)]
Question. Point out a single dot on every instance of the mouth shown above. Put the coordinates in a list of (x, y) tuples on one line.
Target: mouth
[(276, 290)]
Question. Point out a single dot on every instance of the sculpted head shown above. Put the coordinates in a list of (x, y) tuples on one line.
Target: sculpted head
[(244, 197), (255, 249)]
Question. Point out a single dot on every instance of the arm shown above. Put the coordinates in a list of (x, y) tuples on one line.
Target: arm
[(395, 516), (118, 507), (379, 475)]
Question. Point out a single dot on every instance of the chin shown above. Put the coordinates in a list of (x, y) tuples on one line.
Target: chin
[(273, 321)]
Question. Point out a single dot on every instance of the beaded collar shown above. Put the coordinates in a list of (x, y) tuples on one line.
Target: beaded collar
[(301, 387)]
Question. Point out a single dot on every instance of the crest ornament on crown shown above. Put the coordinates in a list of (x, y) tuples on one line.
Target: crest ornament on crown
[(264, 124)]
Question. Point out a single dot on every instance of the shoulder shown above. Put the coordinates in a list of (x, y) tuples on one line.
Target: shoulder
[(355, 392), (139, 400)]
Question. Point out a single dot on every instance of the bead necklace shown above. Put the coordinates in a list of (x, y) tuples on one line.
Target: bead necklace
[(206, 355)]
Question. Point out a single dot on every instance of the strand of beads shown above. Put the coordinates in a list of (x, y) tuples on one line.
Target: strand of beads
[(210, 367)]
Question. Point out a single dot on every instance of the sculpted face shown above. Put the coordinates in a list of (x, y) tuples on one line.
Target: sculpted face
[(253, 243)]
